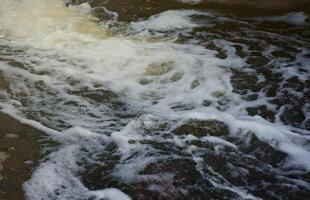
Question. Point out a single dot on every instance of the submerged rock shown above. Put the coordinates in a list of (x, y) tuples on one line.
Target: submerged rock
[(156, 69), (195, 83), (206, 103), (201, 128), (263, 151), (145, 81), (218, 94), (176, 76)]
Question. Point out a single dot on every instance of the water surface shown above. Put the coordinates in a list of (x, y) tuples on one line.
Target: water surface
[(159, 100)]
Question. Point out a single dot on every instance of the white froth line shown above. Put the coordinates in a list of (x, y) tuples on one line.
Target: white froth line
[(276, 135), (71, 135), (8, 109), (240, 192), (218, 140)]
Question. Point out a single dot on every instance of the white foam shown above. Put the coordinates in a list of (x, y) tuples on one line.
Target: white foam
[(111, 194), (294, 18), (243, 194), (39, 18), (190, 1), (168, 20), (55, 48), (11, 136), (218, 140), (276, 135), (11, 111), (78, 134)]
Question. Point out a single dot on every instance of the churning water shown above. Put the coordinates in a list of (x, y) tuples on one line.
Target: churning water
[(184, 104)]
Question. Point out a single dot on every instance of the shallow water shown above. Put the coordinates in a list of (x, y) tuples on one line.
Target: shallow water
[(173, 101)]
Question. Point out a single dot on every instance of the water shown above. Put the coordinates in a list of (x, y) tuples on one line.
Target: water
[(187, 103)]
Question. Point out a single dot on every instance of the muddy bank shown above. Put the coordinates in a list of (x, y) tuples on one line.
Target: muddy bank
[(19, 151)]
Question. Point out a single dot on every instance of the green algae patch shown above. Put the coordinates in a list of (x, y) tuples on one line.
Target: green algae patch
[(195, 83), (176, 76), (144, 81), (218, 94), (206, 103), (158, 69)]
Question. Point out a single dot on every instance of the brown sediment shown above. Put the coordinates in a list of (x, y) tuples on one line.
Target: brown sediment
[(19, 151), (4, 85), (3, 157)]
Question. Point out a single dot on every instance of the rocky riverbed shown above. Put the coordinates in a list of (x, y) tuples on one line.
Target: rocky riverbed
[(159, 99)]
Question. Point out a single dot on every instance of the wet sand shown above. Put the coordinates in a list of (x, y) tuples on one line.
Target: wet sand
[(19, 151)]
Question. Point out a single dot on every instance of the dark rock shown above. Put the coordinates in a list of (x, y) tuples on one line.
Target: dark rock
[(202, 128)]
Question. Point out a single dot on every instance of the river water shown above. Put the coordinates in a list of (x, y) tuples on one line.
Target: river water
[(172, 101)]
